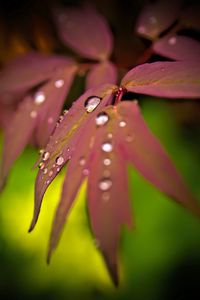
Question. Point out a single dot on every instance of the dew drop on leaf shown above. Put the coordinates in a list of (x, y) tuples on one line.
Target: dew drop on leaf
[(107, 147), (59, 160), (59, 83), (107, 161), (50, 173), (129, 138), (122, 124), (105, 184), (172, 40), (91, 103), (33, 114), (85, 172), (102, 118), (45, 156), (110, 135), (41, 166), (82, 161), (45, 171), (39, 98)]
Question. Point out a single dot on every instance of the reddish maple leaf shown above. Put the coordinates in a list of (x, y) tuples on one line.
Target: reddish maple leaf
[(98, 137)]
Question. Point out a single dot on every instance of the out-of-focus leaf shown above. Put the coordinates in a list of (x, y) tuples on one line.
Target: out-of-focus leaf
[(85, 31), (29, 70), (156, 17), (165, 79), (39, 113), (101, 73), (150, 159), (108, 201), (177, 47), (190, 17), (63, 142)]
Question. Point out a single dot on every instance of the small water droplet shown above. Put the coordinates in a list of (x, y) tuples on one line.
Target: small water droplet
[(58, 169), (41, 151), (33, 114), (68, 149), (48, 181), (82, 161), (45, 156), (102, 118), (105, 184), (85, 172), (59, 160), (39, 97), (106, 173), (60, 119), (122, 124), (107, 161), (41, 166), (141, 29), (172, 40), (59, 83), (91, 103), (50, 120), (105, 196), (50, 173), (110, 135), (107, 147), (129, 138), (45, 171), (65, 112)]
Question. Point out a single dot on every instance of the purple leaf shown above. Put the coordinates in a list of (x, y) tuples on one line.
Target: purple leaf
[(39, 114), (108, 193), (165, 79), (156, 17), (148, 156), (101, 73), (29, 70), (17, 134), (85, 31), (177, 47), (64, 140)]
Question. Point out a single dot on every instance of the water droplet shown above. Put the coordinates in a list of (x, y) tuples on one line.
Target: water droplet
[(59, 83), (59, 160), (50, 173), (65, 112), (45, 171), (41, 151), (106, 173), (60, 119), (105, 184), (58, 169), (68, 149), (33, 114), (172, 40), (107, 147), (107, 161), (41, 166), (105, 196), (110, 135), (45, 156), (48, 181), (91, 103), (85, 172), (122, 124), (129, 138), (39, 97), (82, 161), (141, 29), (102, 118), (50, 120)]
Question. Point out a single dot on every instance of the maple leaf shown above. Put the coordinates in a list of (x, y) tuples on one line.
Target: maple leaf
[(98, 137), (45, 82)]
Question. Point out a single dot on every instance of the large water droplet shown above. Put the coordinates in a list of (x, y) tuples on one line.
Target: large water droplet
[(39, 97), (107, 161), (91, 103), (102, 118), (105, 184), (45, 156), (107, 147), (59, 83), (59, 160)]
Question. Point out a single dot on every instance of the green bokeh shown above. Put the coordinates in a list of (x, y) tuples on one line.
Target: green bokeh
[(165, 236)]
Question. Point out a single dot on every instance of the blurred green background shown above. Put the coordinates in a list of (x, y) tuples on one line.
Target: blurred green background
[(160, 258)]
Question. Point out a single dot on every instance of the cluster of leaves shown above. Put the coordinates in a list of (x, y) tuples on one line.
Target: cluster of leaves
[(101, 133)]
